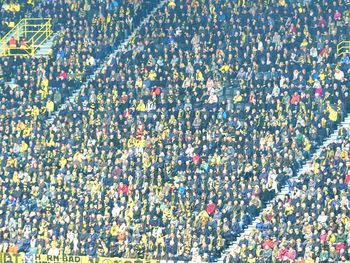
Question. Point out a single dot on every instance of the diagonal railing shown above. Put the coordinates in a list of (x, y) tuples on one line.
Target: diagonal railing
[(343, 48)]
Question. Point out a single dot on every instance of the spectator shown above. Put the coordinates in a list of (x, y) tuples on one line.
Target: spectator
[(180, 179), (315, 229)]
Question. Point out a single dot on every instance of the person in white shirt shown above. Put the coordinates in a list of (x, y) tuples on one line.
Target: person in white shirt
[(339, 75), (53, 251)]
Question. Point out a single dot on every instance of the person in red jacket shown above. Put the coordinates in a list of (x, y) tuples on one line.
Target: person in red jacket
[(268, 243), (13, 43), (347, 179), (282, 254), (211, 207), (196, 158), (295, 99), (340, 247), (123, 189), (63, 75), (291, 254), (23, 44)]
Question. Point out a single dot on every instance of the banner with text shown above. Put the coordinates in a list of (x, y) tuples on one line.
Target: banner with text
[(60, 259), (11, 258), (28, 258)]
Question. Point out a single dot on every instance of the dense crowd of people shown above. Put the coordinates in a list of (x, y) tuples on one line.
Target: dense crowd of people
[(156, 159), (86, 32), (11, 12), (312, 223)]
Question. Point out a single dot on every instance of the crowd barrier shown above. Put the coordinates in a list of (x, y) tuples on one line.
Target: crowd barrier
[(28, 258)]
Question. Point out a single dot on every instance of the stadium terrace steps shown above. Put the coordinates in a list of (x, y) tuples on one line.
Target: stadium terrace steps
[(11, 83), (103, 63), (285, 190), (46, 48)]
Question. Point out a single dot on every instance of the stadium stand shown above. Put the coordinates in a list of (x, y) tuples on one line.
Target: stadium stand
[(179, 142), (88, 33), (11, 12), (311, 223)]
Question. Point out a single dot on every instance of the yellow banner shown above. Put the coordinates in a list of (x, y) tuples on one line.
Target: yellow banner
[(62, 259), (11, 258)]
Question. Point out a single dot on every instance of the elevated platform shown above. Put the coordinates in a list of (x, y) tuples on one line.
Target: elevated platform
[(26, 37)]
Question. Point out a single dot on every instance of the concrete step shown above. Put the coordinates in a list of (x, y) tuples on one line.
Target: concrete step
[(45, 49), (11, 83)]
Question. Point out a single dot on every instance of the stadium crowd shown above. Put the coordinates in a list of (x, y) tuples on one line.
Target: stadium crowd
[(11, 12), (312, 223), (86, 32), (156, 159)]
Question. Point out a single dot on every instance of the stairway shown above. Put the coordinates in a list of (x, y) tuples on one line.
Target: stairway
[(46, 49), (284, 191), (11, 83)]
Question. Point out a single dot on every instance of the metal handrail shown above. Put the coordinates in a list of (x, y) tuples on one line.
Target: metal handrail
[(38, 32), (13, 30), (343, 47)]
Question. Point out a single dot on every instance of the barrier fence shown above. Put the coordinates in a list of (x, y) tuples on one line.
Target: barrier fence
[(343, 47), (29, 34)]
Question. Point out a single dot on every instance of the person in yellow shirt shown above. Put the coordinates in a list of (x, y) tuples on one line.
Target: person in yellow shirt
[(251, 259), (309, 260), (24, 147), (225, 68), (141, 106), (63, 162), (172, 4), (35, 112), (138, 82), (45, 83), (152, 75), (15, 7), (199, 76), (237, 98), (50, 107)]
